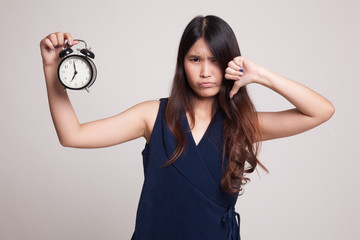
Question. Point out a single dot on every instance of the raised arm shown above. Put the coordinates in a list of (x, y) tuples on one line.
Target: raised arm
[(133, 123), (311, 109)]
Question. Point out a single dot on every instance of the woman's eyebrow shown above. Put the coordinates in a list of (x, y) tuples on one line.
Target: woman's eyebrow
[(198, 56), (194, 56)]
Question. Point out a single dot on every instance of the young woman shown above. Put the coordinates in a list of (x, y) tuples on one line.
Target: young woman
[(201, 141)]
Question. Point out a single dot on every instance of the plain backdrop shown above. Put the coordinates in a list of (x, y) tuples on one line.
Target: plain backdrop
[(53, 193)]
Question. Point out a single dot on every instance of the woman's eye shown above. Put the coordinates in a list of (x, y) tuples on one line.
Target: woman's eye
[(195, 59)]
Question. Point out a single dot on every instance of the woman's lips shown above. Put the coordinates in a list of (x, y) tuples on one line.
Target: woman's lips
[(207, 84)]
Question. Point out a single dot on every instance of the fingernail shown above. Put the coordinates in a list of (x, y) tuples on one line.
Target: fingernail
[(238, 78), (241, 70)]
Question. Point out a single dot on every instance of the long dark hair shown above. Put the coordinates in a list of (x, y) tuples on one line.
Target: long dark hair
[(241, 136)]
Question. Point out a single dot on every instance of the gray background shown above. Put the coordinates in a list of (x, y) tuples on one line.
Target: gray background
[(51, 192)]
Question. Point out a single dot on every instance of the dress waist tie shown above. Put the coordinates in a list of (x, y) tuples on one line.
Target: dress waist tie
[(230, 217)]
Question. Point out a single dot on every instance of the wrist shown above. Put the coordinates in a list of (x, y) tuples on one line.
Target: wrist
[(50, 65), (51, 75), (261, 75)]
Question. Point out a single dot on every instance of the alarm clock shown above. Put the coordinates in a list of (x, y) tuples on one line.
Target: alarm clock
[(77, 71)]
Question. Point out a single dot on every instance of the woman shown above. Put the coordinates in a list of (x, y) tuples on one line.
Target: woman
[(201, 141)]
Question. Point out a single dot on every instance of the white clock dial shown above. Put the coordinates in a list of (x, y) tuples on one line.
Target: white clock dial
[(75, 72)]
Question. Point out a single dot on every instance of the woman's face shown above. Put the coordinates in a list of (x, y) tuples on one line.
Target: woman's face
[(203, 72)]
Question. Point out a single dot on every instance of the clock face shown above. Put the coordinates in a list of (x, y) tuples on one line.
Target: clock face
[(75, 72)]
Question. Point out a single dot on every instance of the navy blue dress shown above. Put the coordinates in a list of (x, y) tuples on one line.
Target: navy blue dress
[(185, 201)]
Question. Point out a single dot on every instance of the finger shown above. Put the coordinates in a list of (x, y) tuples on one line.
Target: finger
[(70, 39), (232, 77), (52, 37), (60, 38), (234, 66), (46, 43), (239, 61), (231, 71), (236, 88)]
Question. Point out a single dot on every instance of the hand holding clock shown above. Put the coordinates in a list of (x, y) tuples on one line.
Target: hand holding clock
[(52, 44), (75, 71)]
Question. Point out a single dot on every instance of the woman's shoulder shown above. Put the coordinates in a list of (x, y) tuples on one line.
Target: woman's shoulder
[(152, 106), (150, 112), (149, 109)]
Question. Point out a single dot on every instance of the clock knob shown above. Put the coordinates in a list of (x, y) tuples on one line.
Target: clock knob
[(87, 53), (65, 52)]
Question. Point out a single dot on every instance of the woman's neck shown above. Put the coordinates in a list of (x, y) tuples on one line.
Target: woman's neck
[(203, 107)]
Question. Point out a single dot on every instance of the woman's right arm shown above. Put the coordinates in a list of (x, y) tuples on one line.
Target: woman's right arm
[(133, 123)]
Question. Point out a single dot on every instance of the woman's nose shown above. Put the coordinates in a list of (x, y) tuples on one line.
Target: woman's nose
[(205, 70)]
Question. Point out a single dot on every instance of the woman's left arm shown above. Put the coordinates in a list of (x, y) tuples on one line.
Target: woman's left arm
[(311, 109)]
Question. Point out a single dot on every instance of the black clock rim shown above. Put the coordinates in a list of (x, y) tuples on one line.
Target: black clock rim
[(94, 72), (93, 67)]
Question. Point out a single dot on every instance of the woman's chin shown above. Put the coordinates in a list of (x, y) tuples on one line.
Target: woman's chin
[(203, 95)]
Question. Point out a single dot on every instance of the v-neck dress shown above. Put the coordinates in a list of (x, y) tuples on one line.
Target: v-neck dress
[(185, 201)]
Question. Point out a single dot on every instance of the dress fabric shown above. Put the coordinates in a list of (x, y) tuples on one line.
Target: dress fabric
[(185, 201)]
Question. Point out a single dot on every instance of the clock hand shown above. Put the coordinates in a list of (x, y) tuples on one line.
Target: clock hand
[(75, 68), (73, 76), (74, 72)]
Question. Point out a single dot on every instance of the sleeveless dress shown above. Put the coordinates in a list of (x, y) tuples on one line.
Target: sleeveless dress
[(185, 201)]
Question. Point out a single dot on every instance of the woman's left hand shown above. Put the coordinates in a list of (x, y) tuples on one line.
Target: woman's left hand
[(243, 71), (311, 109)]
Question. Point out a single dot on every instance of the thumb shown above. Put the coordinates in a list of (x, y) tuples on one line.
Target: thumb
[(236, 87)]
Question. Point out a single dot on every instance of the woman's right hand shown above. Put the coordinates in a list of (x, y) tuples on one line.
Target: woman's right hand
[(51, 46)]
